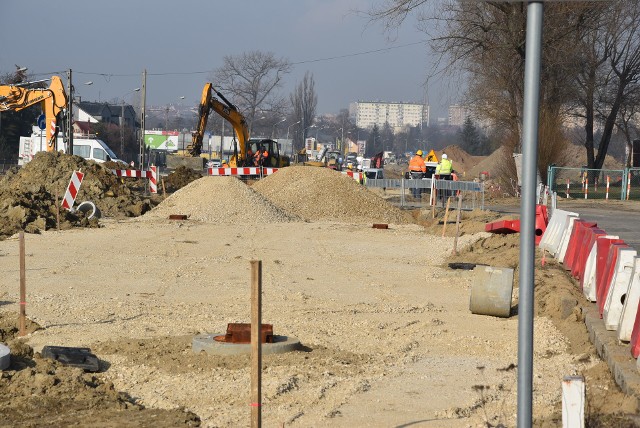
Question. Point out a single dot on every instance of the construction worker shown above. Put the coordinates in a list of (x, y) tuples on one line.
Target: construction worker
[(417, 169), (444, 171)]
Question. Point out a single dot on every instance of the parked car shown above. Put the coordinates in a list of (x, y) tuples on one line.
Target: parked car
[(214, 163)]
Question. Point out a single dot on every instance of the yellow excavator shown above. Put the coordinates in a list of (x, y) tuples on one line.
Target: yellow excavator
[(53, 99), (244, 147)]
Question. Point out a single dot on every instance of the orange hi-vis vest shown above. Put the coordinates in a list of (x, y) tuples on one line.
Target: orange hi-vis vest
[(416, 164)]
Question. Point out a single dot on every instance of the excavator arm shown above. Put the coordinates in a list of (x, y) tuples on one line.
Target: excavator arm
[(53, 100), (230, 113)]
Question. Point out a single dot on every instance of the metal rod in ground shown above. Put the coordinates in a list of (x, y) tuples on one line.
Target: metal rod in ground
[(23, 288), (256, 346), (455, 241), (530, 122), (446, 216)]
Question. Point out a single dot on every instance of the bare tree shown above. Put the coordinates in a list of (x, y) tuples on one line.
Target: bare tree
[(486, 42), (610, 74), (251, 81), (304, 101)]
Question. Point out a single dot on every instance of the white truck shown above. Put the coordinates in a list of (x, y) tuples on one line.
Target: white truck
[(88, 148)]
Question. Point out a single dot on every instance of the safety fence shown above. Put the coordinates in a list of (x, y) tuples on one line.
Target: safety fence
[(587, 183), (424, 192)]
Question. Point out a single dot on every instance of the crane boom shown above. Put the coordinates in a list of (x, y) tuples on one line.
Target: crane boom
[(53, 100)]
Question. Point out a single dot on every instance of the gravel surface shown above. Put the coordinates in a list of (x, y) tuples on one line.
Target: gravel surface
[(383, 320)]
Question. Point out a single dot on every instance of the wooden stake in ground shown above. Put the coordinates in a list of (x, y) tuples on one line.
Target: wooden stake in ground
[(256, 345), (164, 191), (446, 216), (57, 211), (23, 288), (455, 241)]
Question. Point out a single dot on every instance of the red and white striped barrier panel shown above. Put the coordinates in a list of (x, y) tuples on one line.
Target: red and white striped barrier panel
[(241, 171), (152, 175), (72, 189), (153, 180), (589, 284), (358, 176)]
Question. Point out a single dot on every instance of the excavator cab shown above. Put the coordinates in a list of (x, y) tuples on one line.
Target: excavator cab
[(274, 160)]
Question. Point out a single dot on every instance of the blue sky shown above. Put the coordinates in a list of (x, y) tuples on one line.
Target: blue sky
[(181, 42)]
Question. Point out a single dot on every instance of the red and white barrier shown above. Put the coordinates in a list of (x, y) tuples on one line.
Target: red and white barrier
[(72, 189), (566, 236), (153, 180), (631, 302), (608, 273), (152, 175), (243, 171), (358, 176), (552, 236), (606, 195), (589, 283), (628, 185), (614, 304)]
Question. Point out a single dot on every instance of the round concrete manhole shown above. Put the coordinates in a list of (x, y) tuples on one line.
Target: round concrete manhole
[(207, 343)]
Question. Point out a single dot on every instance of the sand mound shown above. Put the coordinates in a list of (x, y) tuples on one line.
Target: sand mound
[(225, 200), (463, 162), (323, 194)]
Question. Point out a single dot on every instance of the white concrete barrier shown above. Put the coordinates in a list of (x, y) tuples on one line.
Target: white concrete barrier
[(552, 236), (564, 241), (618, 288), (589, 283), (631, 302)]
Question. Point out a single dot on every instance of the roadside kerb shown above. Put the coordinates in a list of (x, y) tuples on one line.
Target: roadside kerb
[(620, 361)]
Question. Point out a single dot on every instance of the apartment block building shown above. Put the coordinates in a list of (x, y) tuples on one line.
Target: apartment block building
[(398, 115)]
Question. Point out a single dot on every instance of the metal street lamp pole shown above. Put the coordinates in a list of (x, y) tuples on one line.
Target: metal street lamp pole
[(273, 129), (288, 128)]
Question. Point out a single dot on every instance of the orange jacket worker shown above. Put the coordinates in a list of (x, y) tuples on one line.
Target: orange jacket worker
[(416, 164)]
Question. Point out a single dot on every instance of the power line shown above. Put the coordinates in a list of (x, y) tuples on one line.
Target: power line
[(108, 76)]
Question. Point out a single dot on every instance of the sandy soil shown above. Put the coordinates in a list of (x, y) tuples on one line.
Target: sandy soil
[(383, 320)]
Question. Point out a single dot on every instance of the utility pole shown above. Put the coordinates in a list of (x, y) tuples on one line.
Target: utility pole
[(69, 115), (122, 131), (142, 117)]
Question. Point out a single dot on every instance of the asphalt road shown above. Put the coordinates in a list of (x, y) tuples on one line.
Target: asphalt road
[(618, 218)]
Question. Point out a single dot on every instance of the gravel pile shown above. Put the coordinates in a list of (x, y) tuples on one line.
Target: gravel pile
[(225, 200), (326, 195)]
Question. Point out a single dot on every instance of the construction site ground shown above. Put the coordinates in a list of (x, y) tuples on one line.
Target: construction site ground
[(388, 337)]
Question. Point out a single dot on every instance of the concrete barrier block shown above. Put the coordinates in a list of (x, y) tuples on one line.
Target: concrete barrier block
[(491, 290), (618, 289), (631, 302)]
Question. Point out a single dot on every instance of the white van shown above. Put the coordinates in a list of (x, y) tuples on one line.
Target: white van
[(88, 148)]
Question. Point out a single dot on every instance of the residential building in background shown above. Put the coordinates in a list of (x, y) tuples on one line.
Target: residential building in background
[(399, 116), (458, 114)]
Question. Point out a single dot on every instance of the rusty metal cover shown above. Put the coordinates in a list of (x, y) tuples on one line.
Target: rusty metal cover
[(380, 226), (241, 333), (177, 217)]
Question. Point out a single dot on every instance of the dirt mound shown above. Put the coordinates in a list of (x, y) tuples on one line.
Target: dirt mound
[(576, 157), (463, 162), (32, 386), (28, 194), (323, 194), (179, 178), (225, 200), (491, 164)]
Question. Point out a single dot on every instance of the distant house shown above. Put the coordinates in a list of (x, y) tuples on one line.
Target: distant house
[(92, 112)]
